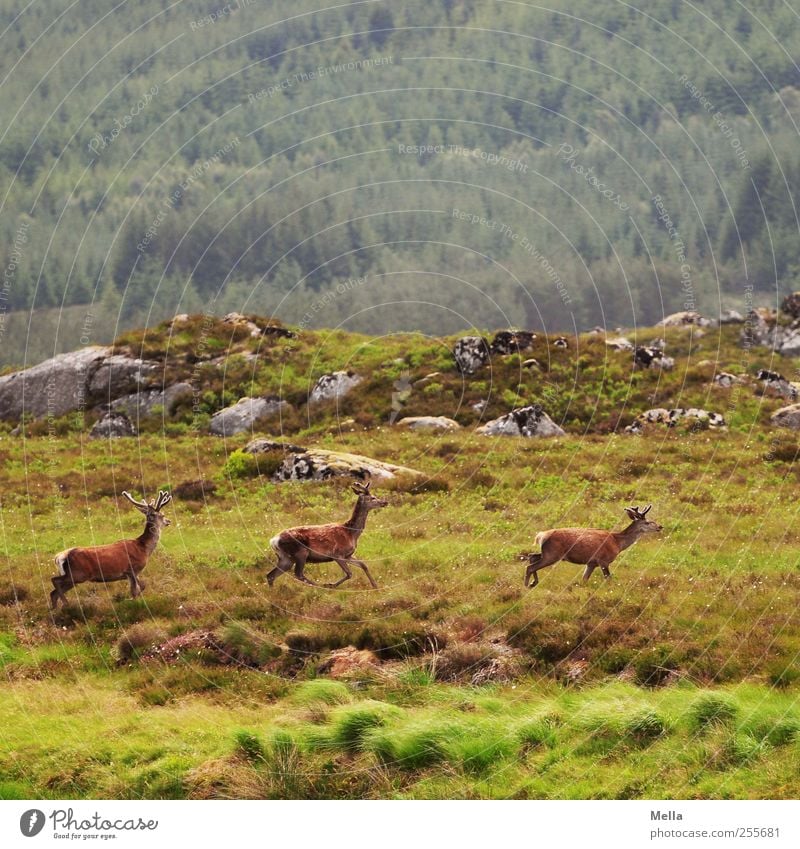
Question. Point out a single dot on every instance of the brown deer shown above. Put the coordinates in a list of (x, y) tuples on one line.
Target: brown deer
[(113, 562), (588, 546), (325, 543)]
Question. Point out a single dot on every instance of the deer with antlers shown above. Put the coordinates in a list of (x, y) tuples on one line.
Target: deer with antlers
[(116, 561), (587, 546), (326, 543)]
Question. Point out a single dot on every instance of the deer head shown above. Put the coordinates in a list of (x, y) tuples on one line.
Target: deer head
[(642, 524), (152, 511), (366, 498)]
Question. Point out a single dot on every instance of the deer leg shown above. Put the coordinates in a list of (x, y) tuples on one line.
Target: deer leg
[(587, 572), (284, 565), (363, 565), (62, 583), (347, 575), (536, 563), (606, 571), (136, 585), (299, 566)]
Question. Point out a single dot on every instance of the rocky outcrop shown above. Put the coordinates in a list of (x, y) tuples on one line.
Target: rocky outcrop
[(112, 426), (262, 445), (75, 381), (762, 328), (317, 464), (53, 388), (147, 402), (242, 415), (670, 418), (511, 341), (441, 423), (652, 357), (777, 385), (725, 379), (333, 386), (684, 318), (524, 421), (619, 343), (471, 353), (731, 317), (787, 417)]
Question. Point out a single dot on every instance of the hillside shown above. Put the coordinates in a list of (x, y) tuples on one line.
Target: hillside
[(677, 678), (569, 166)]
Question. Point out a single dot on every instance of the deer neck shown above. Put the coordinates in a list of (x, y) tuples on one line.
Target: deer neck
[(150, 536), (355, 524), (629, 535)]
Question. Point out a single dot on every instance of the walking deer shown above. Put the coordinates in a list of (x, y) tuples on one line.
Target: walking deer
[(113, 562), (588, 546), (325, 543)]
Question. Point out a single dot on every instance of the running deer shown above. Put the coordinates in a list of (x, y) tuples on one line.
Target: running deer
[(113, 562), (325, 543), (588, 546)]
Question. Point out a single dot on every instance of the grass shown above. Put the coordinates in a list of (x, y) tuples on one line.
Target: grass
[(676, 679)]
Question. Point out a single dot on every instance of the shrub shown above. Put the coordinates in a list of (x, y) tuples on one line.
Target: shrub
[(246, 646), (249, 745), (644, 726), (138, 640), (710, 709), (241, 465), (653, 666), (783, 674)]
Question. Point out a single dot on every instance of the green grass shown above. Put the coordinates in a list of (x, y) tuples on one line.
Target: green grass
[(675, 679)]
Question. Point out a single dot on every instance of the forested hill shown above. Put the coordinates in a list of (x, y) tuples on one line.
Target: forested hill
[(418, 165)]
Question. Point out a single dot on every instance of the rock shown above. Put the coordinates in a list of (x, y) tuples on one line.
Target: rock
[(620, 343), (791, 305), (333, 386), (531, 363), (663, 363), (142, 404), (424, 381), (789, 342), (471, 353), (762, 328), (429, 423), (684, 318), (112, 426), (670, 418), (731, 317), (119, 375), (524, 421), (242, 415), (561, 342), (776, 384), (278, 331), (239, 320), (175, 649), (479, 406), (725, 379), (787, 417), (512, 341), (263, 445), (349, 661), (53, 388), (317, 464), (651, 357)]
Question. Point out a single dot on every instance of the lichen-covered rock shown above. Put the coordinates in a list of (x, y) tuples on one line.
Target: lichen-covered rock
[(429, 423), (147, 401), (652, 357), (316, 464), (333, 386), (787, 417), (242, 415), (471, 353), (512, 341), (53, 388), (762, 328), (777, 385), (670, 418), (262, 445), (725, 379), (731, 317), (686, 317), (524, 421), (112, 426), (561, 342)]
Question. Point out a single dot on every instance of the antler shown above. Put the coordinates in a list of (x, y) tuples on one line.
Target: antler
[(646, 510), (163, 499), (139, 505), (362, 488)]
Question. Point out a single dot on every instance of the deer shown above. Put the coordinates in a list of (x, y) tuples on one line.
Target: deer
[(326, 543), (115, 561), (587, 546)]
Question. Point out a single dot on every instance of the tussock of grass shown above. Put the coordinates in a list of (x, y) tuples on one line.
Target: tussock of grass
[(321, 691), (710, 709)]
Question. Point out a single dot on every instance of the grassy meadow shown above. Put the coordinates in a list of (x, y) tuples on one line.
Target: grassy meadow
[(678, 678)]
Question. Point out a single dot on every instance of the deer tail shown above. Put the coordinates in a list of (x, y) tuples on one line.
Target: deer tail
[(61, 560)]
